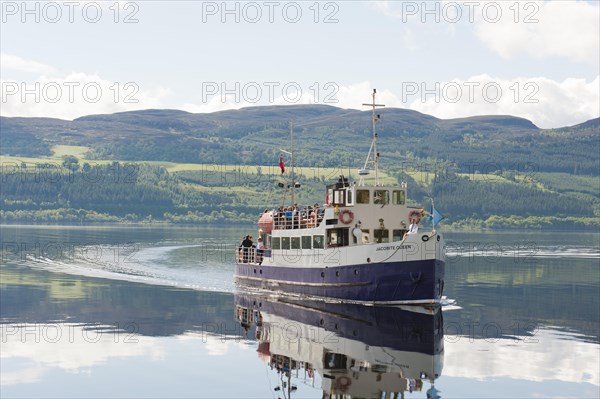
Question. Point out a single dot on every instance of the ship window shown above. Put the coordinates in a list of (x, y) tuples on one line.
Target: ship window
[(349, 199), (285, 242), (338, 237), (366, 236), (318, 242), (339, 197), (381, 197), (398, 197), (295, 242), (335, 361), (381, 235), (362, 196), (275, 243), (306, 241), (398, 235)]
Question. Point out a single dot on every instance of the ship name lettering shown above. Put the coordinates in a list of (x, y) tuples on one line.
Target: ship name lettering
[(394, 247)]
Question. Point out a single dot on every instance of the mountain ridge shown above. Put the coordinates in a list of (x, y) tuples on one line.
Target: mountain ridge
[(249, 134)]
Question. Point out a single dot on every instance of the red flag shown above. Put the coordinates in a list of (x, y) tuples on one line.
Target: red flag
[(281, 164)]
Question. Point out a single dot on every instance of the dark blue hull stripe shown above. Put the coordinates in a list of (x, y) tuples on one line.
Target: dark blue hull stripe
[(411, 281)]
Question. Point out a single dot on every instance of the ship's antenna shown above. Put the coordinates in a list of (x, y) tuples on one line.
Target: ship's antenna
[(373, 156), (292, 154)]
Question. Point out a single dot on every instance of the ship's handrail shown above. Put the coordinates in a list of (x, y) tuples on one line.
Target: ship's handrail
[(246, 255), (303, 219), (251, 255)]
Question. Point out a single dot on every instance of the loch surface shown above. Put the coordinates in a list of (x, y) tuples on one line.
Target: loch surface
[(121, 311)]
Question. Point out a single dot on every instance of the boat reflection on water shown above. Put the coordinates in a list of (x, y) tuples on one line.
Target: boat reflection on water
[(353, 351)]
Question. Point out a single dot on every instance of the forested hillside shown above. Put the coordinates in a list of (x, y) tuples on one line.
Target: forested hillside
[(173, 166)]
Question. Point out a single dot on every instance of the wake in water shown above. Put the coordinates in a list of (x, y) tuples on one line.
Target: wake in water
[(520, 251), (185, 266)]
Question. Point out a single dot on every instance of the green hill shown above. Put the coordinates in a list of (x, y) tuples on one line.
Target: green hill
[(484, 171), (248, 135)]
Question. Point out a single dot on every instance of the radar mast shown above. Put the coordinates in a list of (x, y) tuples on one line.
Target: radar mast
[(373, 156)]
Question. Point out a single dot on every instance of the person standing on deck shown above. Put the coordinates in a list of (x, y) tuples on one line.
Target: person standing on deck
[(412, 228), (259, 251), (246, 245)]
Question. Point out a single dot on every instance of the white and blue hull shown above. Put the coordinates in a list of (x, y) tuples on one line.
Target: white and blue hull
[(407, 272)]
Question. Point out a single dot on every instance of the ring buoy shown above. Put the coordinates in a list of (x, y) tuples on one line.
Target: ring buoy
[(343, 383), (415, 215), (346, 216)]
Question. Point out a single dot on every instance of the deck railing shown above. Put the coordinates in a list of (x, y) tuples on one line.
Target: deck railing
[(297, 220)]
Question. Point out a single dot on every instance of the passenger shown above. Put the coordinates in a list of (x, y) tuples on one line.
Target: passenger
[(246, 247), (412, 228), (280, 218), (259, 251), (312, 218), (288, 218), (295, 216)]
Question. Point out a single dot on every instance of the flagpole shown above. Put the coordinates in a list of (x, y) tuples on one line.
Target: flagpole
[(432, 216)]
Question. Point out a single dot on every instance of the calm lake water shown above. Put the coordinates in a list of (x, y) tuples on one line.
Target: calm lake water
[(153, 312)]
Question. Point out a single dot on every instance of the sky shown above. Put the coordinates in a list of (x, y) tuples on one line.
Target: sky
[(533, 59)]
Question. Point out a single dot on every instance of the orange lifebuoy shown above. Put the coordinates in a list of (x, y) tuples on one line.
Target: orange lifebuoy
[(346, 216), (343, 383)]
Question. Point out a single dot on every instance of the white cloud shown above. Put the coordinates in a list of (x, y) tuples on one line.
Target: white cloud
[(547, 103), (539, 29), (216, 344), (354, 95), (541, 358), (69, 347), (216, 103), (68, 96), (543, 29), (15, 63)]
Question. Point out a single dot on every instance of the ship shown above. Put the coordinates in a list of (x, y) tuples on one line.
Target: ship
[(365, 244), (345, 350)]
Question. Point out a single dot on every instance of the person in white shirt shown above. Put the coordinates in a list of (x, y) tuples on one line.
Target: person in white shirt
[(412, 228), (259, 251)]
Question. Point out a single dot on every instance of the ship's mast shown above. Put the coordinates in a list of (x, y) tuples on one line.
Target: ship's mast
[(292, 155), (373, 156)]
